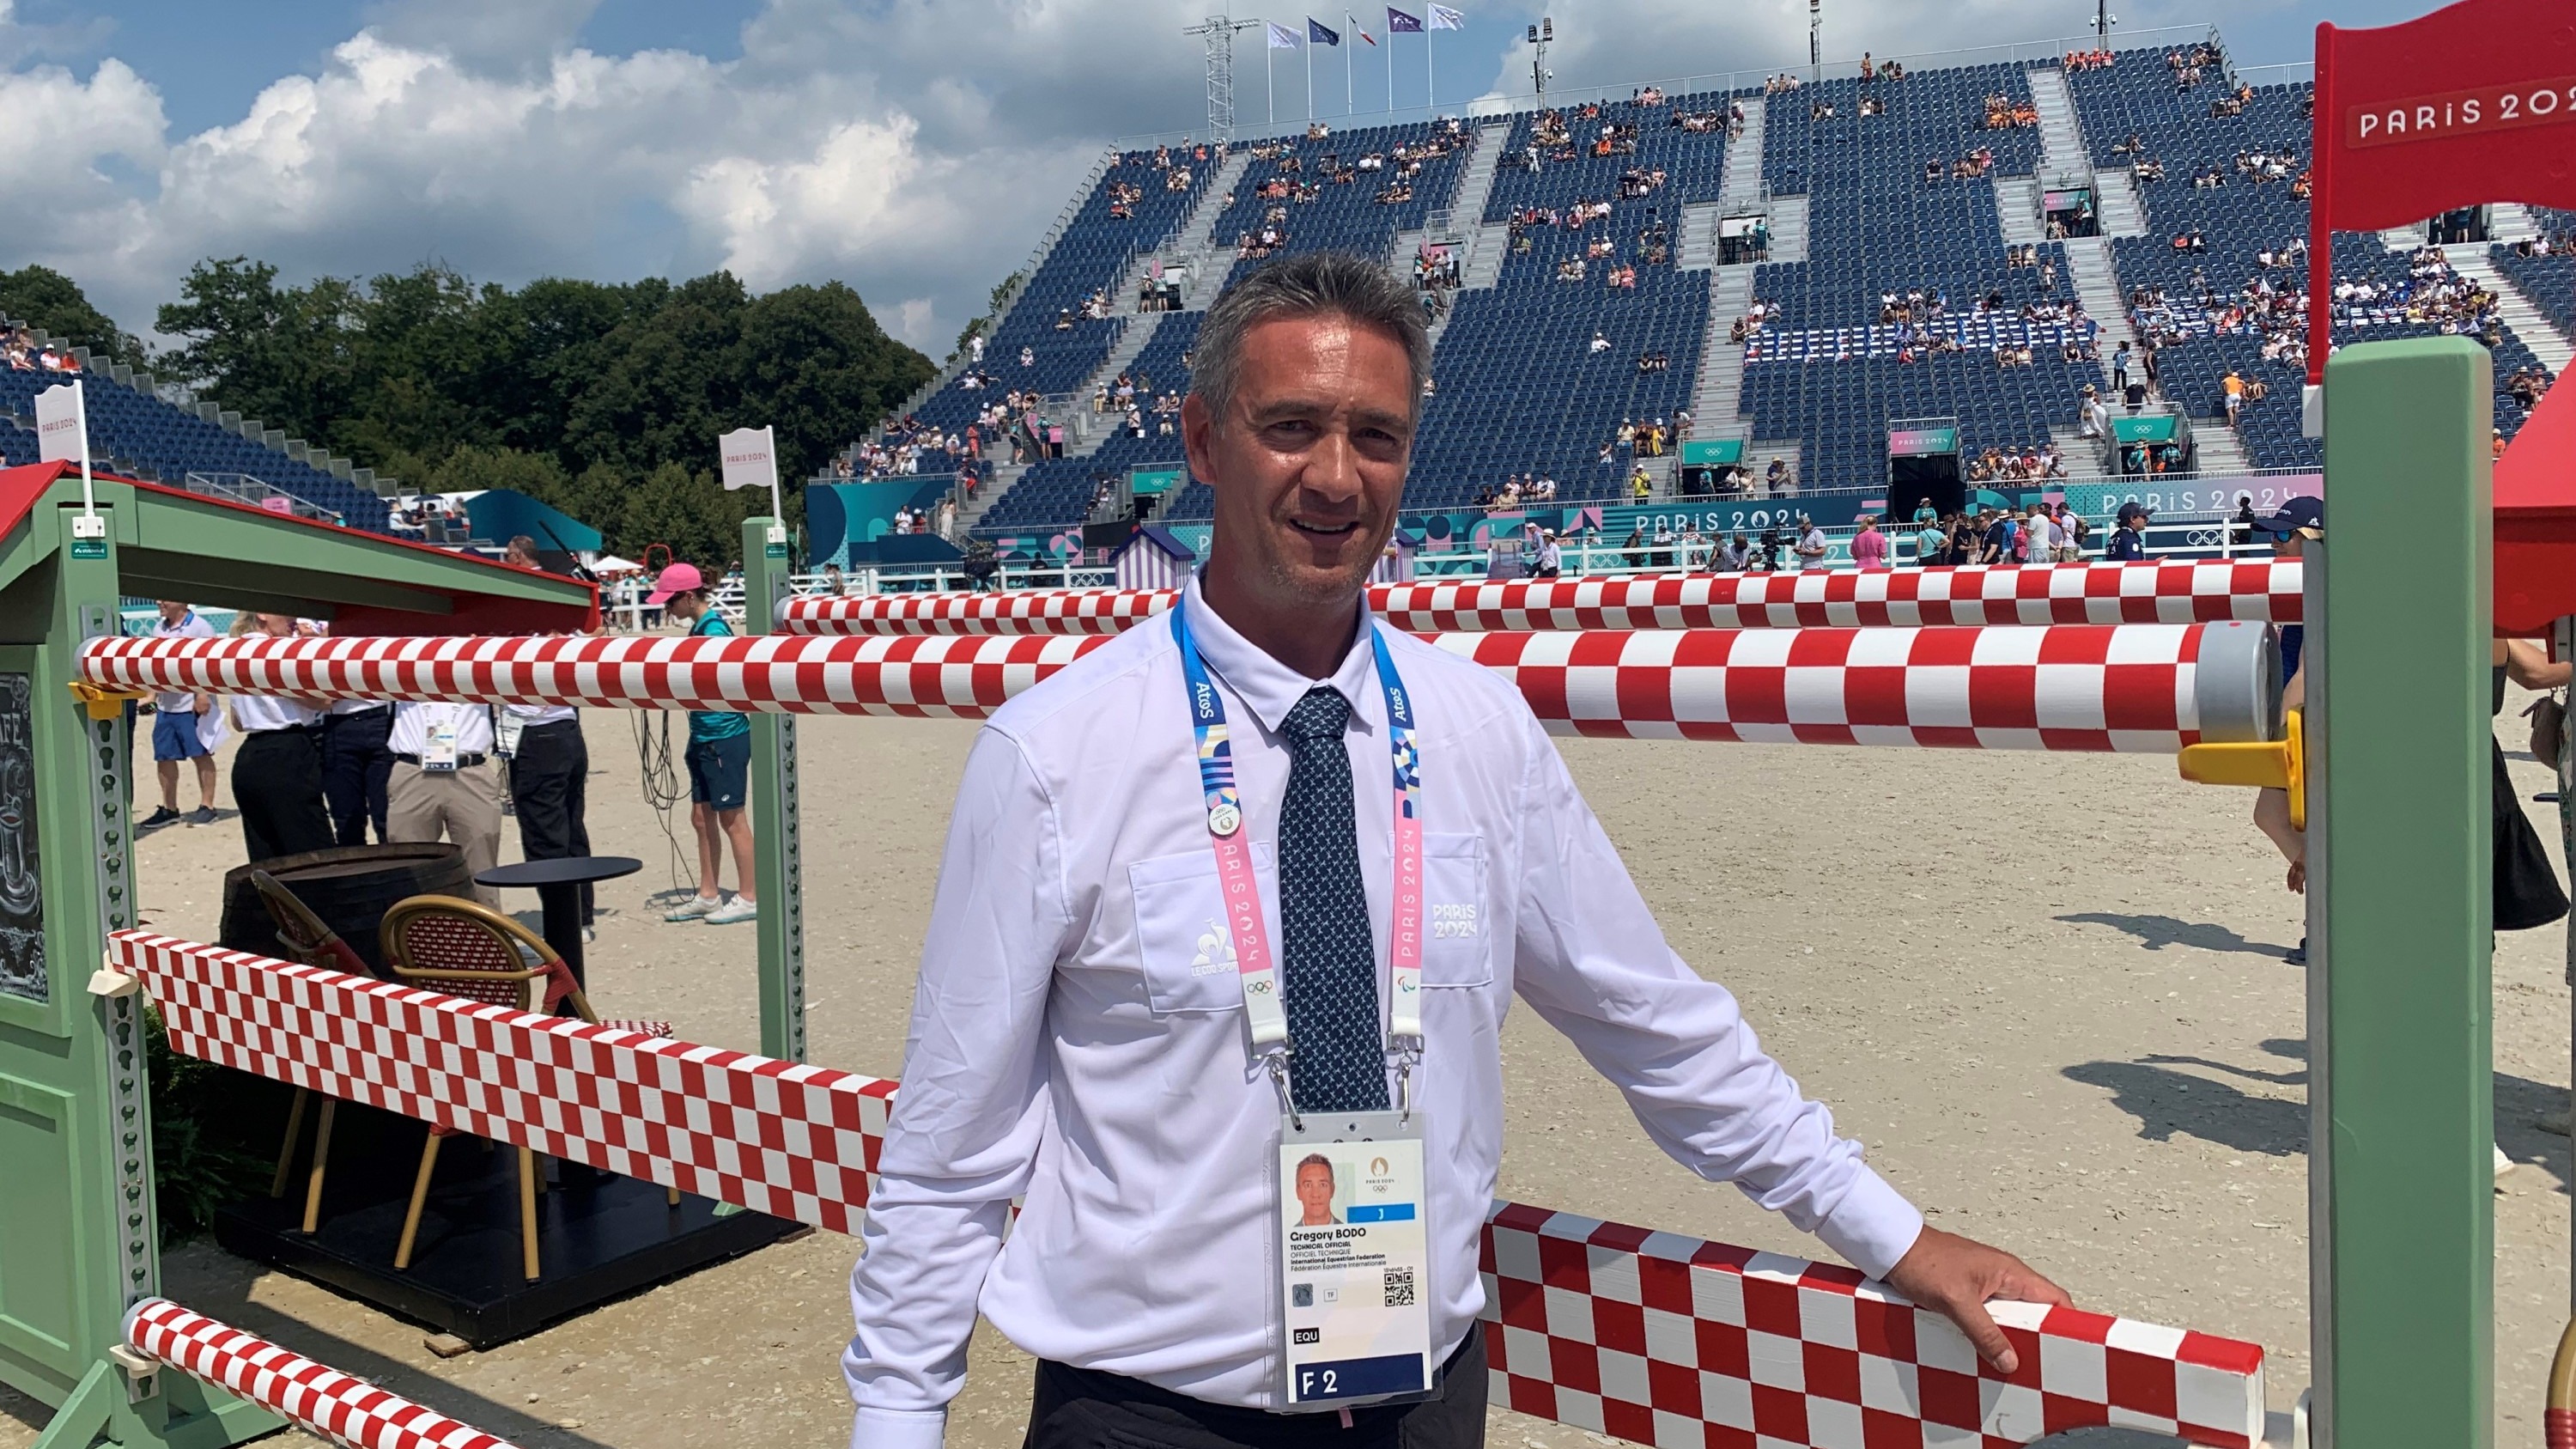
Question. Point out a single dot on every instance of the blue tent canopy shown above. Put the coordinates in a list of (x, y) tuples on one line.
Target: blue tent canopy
[(502, 513)]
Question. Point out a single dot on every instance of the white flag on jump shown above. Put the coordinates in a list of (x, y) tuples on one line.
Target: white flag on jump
[(750, 459), (62, 424)]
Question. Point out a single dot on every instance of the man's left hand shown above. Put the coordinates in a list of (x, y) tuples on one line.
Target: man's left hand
[(1957, 1276)]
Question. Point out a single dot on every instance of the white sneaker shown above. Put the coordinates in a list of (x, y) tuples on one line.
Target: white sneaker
[(695, 908), (732, 911), (2503, 1164)]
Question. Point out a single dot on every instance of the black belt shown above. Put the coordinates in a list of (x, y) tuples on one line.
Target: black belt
[(284, 730), (463, 762), (552, 724)]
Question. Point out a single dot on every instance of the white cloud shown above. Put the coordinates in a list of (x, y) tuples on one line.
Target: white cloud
[(915, 149), (1597, 40)]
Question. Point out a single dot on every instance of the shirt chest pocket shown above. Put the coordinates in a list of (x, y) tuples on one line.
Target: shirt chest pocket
[(1181, 936), (1457, 912)]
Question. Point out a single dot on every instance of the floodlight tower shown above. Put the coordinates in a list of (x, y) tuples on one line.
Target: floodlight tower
[(2103, 20), (1541, 36), (1218, 31)]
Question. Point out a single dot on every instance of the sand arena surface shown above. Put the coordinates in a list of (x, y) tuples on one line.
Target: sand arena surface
[(2047, 991)]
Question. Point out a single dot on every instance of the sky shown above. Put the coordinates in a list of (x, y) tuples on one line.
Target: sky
[(915, 149)]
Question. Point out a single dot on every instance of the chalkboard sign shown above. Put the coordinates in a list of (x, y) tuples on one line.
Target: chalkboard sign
[(22, 907)]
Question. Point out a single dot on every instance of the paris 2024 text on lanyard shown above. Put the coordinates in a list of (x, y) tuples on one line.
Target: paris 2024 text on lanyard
[(1354, 1252)]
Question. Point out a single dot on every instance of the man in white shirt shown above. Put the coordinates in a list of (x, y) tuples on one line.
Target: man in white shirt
[(1089, 1028), (549, 769), (277, 771), (447, 781), (178, 729)]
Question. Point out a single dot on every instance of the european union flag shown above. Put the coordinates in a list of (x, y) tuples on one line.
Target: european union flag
[(1316, 32)]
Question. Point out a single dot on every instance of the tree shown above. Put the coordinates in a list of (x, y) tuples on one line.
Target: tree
[(52, 303), (580, 393)]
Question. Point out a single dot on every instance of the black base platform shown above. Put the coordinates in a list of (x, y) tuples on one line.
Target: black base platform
[(599, 1237)]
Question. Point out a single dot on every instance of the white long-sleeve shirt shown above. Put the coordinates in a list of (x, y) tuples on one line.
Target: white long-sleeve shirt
[(1065, 1045)]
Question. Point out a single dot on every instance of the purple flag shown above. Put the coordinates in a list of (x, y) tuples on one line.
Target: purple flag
[(1399, 23)]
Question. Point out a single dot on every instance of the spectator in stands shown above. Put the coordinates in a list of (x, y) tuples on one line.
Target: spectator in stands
[(719, 763), (181, 723), (277, 772), (2232, 388), (1869, 546)]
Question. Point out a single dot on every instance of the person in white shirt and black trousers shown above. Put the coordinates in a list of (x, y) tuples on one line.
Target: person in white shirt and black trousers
[(1167, 961), (549, 789), (447, 780), (357, 763), (277, 772)]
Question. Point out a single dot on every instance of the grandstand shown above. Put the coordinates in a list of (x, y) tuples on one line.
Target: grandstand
[(2035, 208), (135, 432)]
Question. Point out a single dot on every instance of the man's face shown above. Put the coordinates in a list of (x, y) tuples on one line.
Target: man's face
[(1308, 464), (277, 625), (1315, 1189), (172, 611)]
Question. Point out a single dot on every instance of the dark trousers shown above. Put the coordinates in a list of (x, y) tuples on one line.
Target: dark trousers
[(356, 762), (277, 782), (1080, 1409), (549, 784)]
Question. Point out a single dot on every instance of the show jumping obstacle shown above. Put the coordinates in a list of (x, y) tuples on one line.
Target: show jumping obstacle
[(347, 1410), (2164, 592), (2123, 687), (1655, 1337)]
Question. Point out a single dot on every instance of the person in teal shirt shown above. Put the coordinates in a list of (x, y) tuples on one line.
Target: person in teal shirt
[(1931, 540), (719, 764)]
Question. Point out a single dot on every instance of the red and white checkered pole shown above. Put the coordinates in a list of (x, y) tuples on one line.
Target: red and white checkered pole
[(2163, 592), (2125, 687), (1656, 1337), (344, 1409)]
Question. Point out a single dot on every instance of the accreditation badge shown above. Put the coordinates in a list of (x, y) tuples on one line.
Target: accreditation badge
[(438, 749), (1354, 1260)]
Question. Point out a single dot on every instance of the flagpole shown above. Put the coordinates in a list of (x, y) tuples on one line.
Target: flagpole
[(1269, 82), (1390, 72), (1310, 80), (1430, 101)]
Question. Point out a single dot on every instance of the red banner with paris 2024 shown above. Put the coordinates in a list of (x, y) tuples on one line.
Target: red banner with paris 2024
[(2473, 103)]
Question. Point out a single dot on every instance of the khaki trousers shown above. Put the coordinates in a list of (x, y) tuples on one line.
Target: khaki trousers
[(463, 807)]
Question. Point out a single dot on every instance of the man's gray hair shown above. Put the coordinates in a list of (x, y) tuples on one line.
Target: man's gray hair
[(1313, 284)]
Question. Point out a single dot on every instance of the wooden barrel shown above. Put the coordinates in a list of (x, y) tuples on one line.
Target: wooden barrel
[(349, 887)]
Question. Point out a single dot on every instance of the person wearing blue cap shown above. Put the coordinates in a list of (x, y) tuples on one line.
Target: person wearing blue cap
[(2129, 541)]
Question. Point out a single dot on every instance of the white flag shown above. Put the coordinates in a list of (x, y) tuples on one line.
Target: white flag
[(1281, 37), (750, 459), (61, 425), (1444, 18)]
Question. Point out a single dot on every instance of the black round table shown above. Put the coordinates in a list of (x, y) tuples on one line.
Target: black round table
[(558, 885)]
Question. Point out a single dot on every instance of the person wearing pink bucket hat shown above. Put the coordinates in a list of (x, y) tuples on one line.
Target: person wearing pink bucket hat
[(719, 765)]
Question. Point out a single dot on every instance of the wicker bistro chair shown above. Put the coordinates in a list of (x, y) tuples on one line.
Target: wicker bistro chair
[(309, 940), (467, 949)]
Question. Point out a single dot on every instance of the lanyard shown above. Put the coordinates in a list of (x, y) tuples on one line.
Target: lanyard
[(1254, 964)]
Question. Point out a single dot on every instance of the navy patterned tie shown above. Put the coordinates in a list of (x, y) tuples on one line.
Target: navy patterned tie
[(1329, 955)]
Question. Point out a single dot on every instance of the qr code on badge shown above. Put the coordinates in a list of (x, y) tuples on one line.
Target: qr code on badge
[(1399, 1287)]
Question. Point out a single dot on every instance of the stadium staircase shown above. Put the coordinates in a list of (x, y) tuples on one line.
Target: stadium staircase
[(2061, 136), (2522, 317), (2017, 210), (1741, 185)]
